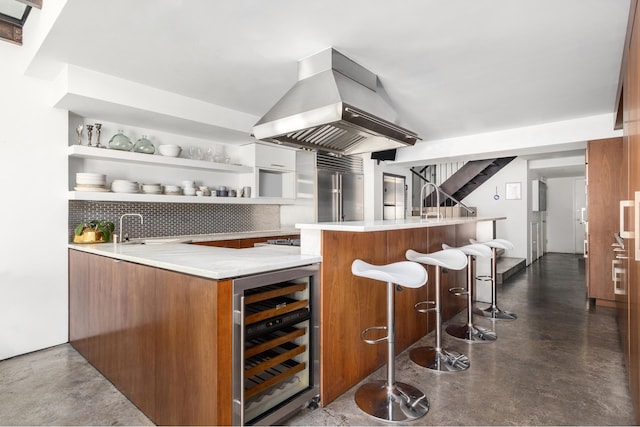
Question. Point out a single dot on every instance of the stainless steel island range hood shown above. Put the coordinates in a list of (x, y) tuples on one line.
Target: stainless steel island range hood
[(336, 106)]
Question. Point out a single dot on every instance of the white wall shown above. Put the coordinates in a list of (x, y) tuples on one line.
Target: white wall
[(515, 227), (560, 215), (33, 172)]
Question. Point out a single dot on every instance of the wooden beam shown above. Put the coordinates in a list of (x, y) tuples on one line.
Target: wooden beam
[(33, 3), (11, 32)]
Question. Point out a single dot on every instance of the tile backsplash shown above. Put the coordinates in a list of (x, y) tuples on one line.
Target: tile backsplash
[(176, 219)]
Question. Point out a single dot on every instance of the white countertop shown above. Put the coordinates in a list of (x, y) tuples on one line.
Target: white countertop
[(204, 261), (392, 224)]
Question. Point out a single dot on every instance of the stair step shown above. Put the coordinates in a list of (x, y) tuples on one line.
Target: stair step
[(507, 267)]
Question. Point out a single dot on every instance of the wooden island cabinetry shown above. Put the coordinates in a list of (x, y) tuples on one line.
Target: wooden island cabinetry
[(350, 304), (144, 328)]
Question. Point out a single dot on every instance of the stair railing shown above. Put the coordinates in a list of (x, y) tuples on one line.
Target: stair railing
[(447, 195)]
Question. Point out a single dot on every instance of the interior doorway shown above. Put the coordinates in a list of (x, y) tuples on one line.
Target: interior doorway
[(580, 211), (566, 198)]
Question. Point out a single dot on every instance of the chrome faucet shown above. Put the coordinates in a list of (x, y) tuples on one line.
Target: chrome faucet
[(121, 232), (437, 190)]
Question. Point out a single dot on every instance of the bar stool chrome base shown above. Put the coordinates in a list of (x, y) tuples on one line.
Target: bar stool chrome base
[(398, 403), (493, 312), (471, 333), (442, 361)]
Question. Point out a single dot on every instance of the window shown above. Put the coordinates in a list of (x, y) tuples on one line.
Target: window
[(13, 15)]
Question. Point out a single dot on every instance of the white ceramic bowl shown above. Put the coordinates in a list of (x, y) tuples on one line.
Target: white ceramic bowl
[(90, 178), (189, 191), (169, 150)]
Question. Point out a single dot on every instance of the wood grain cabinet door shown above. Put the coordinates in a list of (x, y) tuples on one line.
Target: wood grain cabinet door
[(603, 200)]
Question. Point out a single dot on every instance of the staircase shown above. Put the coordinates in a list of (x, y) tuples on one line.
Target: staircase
[(465, 179)]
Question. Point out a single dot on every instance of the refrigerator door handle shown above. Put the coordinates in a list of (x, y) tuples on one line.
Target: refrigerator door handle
[(340, 211), (335, 184)]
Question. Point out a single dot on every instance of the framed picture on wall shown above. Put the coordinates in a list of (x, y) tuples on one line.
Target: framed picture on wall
[(513, 191)]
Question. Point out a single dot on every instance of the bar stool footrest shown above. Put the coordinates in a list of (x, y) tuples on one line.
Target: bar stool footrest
[(458, 291), (374, 328), (425, 310), (484, 278)]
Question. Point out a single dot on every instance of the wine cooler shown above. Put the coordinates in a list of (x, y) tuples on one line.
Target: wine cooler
[(275, 345)]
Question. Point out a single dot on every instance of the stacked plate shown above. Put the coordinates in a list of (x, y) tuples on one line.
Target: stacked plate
[(124, 186), (151, 188), (91, 182), (174, 190)]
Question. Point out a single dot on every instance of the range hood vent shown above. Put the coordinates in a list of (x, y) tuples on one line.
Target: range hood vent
[(336, 106)]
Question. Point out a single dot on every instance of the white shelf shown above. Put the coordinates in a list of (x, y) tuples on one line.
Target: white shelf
[(85, 152), (164, 198)]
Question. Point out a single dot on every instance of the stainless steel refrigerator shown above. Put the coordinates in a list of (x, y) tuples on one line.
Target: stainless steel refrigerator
[(394, 196), (340, 188)]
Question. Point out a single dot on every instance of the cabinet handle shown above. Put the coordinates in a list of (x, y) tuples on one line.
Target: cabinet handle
[(275, 165), (637, 224), (614, 262), (625, 233), (586, 249)]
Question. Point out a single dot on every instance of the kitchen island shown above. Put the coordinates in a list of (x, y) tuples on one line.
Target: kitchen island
[(157, 319), (349, 304)]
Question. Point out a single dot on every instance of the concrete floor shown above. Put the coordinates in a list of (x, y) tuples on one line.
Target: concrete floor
[(559, 363)]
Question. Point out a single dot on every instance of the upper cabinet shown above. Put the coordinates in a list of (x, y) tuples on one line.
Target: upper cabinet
[(274, 157)]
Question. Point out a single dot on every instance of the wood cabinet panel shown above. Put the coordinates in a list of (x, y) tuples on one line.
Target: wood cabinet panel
[(411, 324), (629, 316), (604, 194), (79, 316), (187, 349), (111, 323), (130, 350), (349, 304), (162, 338), (632, 150)]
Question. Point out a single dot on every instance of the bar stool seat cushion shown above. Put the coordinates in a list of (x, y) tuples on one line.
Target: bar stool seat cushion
[(452, 259), (474, 249), (495, 243), (404, 273)]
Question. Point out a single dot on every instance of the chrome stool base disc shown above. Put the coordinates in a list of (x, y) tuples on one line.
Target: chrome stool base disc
[(398, 403), (496, 313), (471, 333), (443, 361)]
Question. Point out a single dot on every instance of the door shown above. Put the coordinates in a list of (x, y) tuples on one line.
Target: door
[(580, 214), (327, 196), (352, 202), (393, 196)]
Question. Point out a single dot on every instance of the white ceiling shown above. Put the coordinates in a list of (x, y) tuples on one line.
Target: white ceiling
[(451, 68)]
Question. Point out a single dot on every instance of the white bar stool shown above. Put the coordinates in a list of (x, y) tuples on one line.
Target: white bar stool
[(390, 400), (437, 358), (470, 332), (493, 311)]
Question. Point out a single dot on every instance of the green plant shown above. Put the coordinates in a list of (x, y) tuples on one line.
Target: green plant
[(104, 227)]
